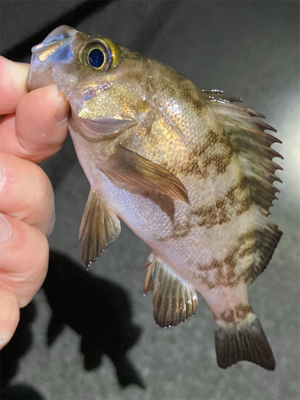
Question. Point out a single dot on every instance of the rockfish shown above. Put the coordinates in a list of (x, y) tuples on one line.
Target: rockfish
[(188, 170)]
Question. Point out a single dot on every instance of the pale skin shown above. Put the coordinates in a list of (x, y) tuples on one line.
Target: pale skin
[(33, 127)]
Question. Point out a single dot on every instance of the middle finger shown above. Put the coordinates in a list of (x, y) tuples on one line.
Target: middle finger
[(26, 192)]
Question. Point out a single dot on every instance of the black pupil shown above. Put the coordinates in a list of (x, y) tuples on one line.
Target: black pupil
[(96, 58)]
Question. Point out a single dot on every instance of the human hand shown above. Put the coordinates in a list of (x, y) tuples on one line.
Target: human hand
[(33, 127)]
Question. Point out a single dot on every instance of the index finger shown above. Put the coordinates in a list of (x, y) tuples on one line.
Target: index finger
[(12, 84), (37, 124)]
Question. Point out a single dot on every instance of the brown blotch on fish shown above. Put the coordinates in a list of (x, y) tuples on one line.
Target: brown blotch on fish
[(222, 211), (218, 159), (242, 311), (205, 216), (189, 168), (210, 139), (215, 264), (235, 314), (179, 231), (235, 190), (223, 272)]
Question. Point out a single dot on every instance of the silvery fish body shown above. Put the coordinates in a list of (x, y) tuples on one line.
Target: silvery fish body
[(190, 172)]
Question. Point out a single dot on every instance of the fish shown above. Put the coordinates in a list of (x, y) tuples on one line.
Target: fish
[(189, 170)]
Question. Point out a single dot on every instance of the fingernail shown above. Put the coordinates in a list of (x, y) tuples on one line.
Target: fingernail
[(5, 229), (4, 339), (62, 112)]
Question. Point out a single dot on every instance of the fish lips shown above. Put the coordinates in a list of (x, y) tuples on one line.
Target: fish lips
[(55, 48)]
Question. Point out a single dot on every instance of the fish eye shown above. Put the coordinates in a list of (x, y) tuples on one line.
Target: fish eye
[(100, 54), (97, 58)]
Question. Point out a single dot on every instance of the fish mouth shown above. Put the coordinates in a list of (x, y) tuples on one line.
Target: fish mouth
[(55, 48)]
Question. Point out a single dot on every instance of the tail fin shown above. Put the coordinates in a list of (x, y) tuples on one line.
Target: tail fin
[(245, 340)]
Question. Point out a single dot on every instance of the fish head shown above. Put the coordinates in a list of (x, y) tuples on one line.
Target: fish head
[(104, 82), (54, 50)]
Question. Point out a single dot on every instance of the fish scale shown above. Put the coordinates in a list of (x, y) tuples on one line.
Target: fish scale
[(190, 171)]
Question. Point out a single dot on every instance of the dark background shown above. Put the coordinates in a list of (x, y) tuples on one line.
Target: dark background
[(246, 48)]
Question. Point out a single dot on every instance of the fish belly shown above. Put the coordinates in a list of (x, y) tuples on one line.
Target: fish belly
[(209, 243)]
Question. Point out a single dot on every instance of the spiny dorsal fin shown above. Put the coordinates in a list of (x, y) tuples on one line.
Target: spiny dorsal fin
[(99, 227), (253, 147), (135, 170), (174, 300)]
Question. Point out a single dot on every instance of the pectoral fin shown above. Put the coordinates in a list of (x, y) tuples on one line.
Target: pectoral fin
[(102, 127), (135, 170), (174, 300), (99, 227)]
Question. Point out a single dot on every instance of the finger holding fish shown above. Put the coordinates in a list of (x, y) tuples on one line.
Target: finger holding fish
[(12, 84), (24, 260), (9, 315), (20, 176), (38, 129), (34, 125)]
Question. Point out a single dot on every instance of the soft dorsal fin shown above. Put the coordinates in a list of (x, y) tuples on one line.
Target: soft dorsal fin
[(131, 168), (253, 147), (174, 300), (99, 227)]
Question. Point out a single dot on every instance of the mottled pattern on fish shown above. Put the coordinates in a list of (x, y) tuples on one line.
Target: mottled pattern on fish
[(189, 170)]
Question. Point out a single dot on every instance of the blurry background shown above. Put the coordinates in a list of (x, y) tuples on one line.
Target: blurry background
[(248, 49)]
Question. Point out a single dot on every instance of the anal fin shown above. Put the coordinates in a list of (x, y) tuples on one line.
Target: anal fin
[(174, 300), (245, 340), (99, 227)]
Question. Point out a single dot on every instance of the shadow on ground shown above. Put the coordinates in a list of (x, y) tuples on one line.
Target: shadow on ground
[(12, 353), (97, 310)]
